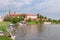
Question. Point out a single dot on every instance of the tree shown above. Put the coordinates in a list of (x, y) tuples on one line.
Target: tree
[(40, 21), (23, 15), (7, 18), (37, 15), (40, 16), (14, 20), (29, 20), (45, 17), (21, 18), (49, 20)]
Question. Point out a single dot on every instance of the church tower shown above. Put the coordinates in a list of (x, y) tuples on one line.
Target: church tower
[(10, 12)]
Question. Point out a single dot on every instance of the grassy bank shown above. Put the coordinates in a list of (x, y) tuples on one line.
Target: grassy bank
[(31, 23), (34, 22), (5, 38), (3, 26)]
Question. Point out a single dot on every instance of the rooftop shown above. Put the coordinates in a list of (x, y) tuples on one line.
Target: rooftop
[(15, 14)]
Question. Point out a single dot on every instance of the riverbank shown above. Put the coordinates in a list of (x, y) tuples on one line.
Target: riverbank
[(5, 38), (3, 26), (34, 22)]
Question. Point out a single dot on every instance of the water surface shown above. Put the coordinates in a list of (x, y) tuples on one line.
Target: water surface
[(39, 32)]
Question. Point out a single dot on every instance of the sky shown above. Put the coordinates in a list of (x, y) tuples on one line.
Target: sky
[(48, 8)]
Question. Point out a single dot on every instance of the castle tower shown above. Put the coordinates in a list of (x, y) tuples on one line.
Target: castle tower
[(10, 11)]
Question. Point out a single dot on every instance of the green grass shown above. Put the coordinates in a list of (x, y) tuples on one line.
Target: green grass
[(3, 26), (32, 22), (5, 38)]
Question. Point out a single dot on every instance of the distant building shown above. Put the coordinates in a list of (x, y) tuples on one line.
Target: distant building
[(27, 16), (32, 16), (1, 19)]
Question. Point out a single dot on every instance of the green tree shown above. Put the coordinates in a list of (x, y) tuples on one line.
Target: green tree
[(37, 15), (55, 21), (29, 20), (14, 20), (40, 16), (21, 18), (40, 21), (7, 18), (49, 20), (23, 15), (59, 21), (45, 17)]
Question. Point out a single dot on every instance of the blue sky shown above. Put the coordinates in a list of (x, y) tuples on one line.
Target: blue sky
[(49, 8)]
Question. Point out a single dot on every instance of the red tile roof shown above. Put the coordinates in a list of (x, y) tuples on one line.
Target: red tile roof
[(31, 15), (14, 14)]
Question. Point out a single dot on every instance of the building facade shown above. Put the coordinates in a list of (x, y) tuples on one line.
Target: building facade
[(1, 19), (27, 16)]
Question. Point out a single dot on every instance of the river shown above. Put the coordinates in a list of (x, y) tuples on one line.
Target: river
[(38, 32)]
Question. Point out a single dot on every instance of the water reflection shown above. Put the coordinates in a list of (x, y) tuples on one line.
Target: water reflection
[(38, 32), (40, 28)]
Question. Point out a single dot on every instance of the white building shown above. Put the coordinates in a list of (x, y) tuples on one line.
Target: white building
[(32, 16), (1, 19), (47, 22)]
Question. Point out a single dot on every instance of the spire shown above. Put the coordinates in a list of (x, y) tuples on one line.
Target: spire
[(9, 11)]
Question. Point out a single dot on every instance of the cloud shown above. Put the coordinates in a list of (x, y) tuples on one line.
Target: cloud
[(14, 3), (49, 6)]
